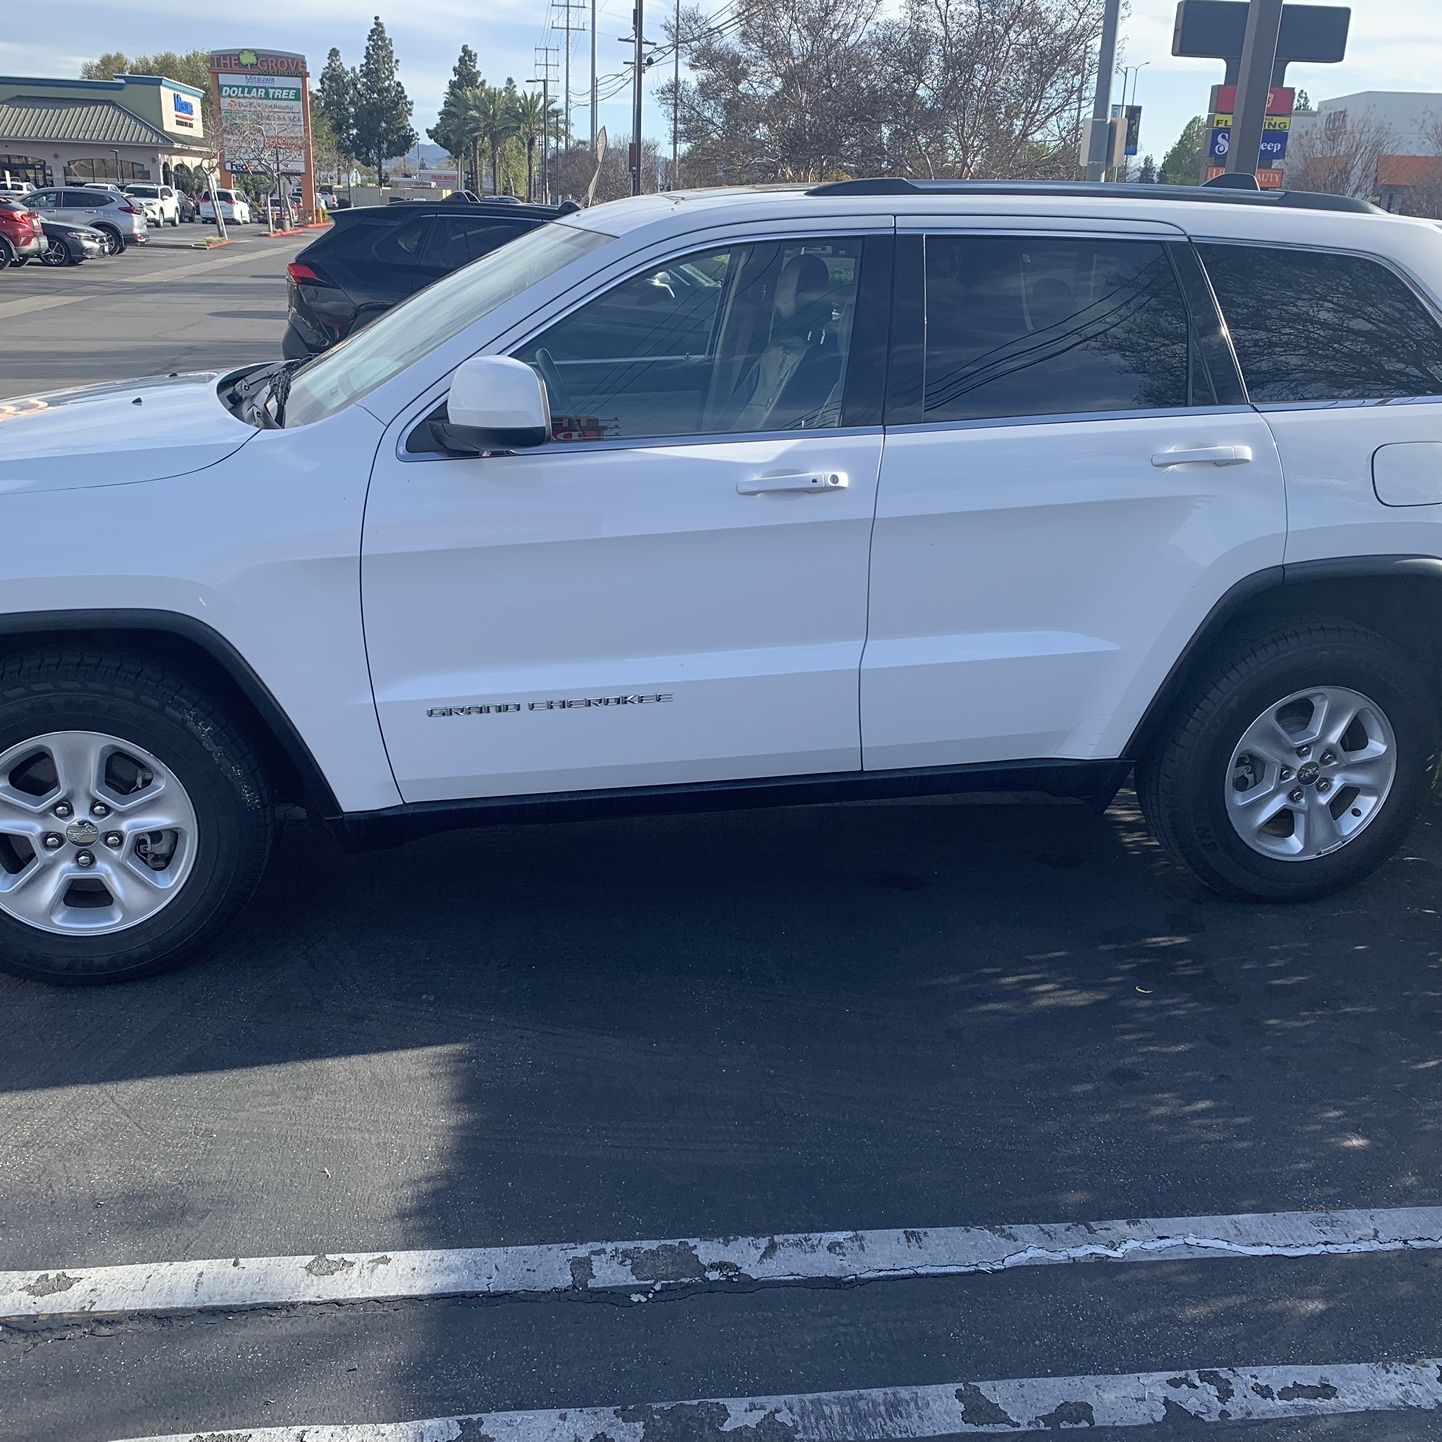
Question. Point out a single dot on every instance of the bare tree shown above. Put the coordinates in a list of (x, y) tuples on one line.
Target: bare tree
[(1337, 154), (816, 89), (259, 141), (995, 87)]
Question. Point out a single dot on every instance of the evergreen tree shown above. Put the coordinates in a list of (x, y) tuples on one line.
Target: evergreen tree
[(335, 99), (1182, 164), (1148, 173), (455, 128), (382, 114)]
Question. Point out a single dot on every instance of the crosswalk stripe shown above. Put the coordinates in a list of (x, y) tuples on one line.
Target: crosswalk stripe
[(642, 1268), (892, 1414)]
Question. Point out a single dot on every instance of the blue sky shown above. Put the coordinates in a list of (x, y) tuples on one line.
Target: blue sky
[(1395, 45)]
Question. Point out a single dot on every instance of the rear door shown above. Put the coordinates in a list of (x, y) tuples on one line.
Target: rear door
[(1071, 480)]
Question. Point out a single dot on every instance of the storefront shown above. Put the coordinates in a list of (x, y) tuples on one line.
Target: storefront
[(135, 127)]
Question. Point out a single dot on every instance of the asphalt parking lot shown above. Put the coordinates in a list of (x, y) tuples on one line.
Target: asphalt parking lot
[(660, 1056)]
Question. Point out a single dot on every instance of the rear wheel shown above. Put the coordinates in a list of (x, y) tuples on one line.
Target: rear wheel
[(1296, 766), (114, 241), (135, 820), (7, 255)]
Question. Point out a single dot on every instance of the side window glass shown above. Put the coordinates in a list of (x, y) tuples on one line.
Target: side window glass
[(482, 238), (43, 200), (1314, 326), (404, 244), (445, 246), (744, 338), (1034, 325), (81, 199)]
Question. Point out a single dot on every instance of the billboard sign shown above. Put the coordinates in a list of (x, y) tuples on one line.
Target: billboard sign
[(1216, 29), (263, 120)]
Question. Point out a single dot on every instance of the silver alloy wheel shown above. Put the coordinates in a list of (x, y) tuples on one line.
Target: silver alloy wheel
[(96, 834), (1310, 773)]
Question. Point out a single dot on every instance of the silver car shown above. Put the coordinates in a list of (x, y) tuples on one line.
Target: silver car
[(114, 214)]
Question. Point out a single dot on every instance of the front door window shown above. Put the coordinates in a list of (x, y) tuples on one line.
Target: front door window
[(737, 340)]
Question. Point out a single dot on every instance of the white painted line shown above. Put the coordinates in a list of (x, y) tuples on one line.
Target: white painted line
[(641, 1268), (28, 305), (893, 1414)]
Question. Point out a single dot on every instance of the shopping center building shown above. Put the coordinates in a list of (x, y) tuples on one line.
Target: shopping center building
[(135, 127)]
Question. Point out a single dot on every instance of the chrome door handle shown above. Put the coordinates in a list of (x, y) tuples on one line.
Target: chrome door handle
[(812, 481), (1213, 455)]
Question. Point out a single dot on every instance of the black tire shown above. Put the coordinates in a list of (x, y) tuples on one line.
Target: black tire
[(7, 255), (166, 715), (57, 253), (1181, 778), (114, 241)]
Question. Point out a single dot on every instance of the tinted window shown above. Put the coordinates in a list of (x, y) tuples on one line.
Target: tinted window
[(457, 240), (1309, 326), (1020, 326), (83, 199), (744, 338)]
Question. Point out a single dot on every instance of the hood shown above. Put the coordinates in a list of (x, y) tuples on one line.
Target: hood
[(116, 434)]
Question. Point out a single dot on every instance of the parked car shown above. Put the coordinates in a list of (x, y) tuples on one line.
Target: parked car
[(374, 256), (21, 236), (325, 199), (67, 244), (189, 210), (119, 218), (161, 203), (877, 488), (234, 208), (14, 189)]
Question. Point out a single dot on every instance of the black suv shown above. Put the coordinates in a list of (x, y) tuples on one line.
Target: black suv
[(377, 255)]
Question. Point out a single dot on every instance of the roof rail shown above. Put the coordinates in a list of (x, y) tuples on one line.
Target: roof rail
[(1094, 190)]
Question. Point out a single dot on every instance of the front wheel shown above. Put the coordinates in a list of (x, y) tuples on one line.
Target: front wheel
[(1296, 765), (56, 252), (135, 820)]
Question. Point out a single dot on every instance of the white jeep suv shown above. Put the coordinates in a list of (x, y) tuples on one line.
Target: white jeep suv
[(748, 497)]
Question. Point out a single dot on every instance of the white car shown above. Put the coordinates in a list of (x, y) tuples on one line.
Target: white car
[(160, 202), (731, 498), (234, 208)]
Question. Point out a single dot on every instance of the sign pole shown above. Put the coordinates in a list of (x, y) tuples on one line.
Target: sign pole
[(1259, 55)]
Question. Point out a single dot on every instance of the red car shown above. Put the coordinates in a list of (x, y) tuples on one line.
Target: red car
[(21, 234)]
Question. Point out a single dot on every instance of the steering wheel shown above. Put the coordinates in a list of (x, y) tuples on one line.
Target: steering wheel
[(560, 398)]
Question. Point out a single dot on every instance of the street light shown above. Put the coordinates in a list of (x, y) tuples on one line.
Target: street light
[(1129, 72)]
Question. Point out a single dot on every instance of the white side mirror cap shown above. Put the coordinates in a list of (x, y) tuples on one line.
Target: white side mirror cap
[(498, 404)]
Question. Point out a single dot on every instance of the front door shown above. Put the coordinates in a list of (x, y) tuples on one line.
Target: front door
[(674, 589), (1075, 481)]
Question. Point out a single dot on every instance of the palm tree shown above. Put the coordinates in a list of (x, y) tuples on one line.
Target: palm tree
[(530, 127), (497, 123), (458, 128)]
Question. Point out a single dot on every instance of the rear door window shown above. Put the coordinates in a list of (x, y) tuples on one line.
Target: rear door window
[(1320, 326), (404, 244), (1042, 325)]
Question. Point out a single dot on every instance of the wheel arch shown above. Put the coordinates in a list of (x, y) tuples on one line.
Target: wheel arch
[(207, 659), (1398, 596)]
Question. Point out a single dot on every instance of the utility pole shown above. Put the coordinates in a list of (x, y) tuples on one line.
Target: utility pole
[(544, 64), (595, 98), (676, 102), (1099, 145), (637, 20), (565, 7), (1259, 55)]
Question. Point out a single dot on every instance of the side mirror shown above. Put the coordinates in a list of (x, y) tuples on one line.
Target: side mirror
[(495, 404)]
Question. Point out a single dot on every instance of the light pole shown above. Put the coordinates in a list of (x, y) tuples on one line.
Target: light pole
[(1129, 72), (1099, 139)]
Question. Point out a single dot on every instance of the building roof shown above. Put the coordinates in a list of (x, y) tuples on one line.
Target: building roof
[(99, 122), (1409, 169)]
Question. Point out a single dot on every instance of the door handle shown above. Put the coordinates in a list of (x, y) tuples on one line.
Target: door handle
[(1214, 455), (812, 481)]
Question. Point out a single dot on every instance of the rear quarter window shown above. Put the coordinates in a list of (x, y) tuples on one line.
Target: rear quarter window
[(1323, 326)]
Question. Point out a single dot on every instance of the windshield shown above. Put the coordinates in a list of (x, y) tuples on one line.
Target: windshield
[(368, 358)]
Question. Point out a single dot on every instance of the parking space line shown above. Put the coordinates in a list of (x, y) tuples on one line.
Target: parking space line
[(28, 305), (1014, 1407), (644, 1267)]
